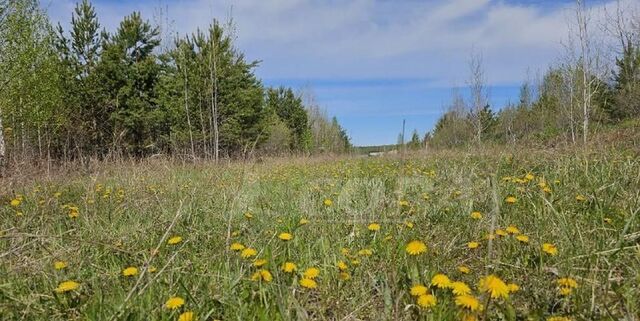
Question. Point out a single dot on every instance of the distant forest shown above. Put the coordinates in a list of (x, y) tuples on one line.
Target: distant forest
[(88, 93)]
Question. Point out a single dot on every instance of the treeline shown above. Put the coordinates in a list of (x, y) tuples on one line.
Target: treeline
[(584, 91), (87, 92)]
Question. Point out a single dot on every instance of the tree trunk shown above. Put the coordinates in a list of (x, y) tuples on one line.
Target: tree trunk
[(214, 97), (186, 109)]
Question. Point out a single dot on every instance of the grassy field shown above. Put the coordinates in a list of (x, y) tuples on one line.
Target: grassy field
[(554, 236)]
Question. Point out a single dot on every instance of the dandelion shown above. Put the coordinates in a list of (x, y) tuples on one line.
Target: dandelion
[(440, 281), (174, 303), (15, 202), (186, 316), (248, 252), (262, 275), (344, 251), (558, 318), (511, 229), (464, 269), (468, 302), (476, 215), (289, 267), (427, 301), (550, 249), (500, 232), (567, 283), (580, 198), (259, 262), (74, 212), (59, 265), (236, 247), (174, 240), (374, 227), (565, 291), (130, 271), (248, 215), (460, 288), (494, 286), (473, 245), (152, 269), (285, 236), (416, 247), (408, 224), (311, 273), (327, 202), (67, 286), (418, 290), (513, 288), (342, 266), (365, 252), (529, 177), (510, 200), (522, 238), (403, 203), (303, 221), (308, 283), (344, 276), (608, 220)]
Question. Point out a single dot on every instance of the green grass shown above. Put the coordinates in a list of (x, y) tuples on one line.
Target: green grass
[(205, 204)]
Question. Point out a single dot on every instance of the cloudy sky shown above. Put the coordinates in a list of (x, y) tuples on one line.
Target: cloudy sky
[(374, 63)]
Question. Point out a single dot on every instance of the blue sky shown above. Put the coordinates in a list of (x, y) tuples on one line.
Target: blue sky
[(373, 63)]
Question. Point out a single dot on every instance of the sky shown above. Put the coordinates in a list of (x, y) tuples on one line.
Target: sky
[(373, 63)]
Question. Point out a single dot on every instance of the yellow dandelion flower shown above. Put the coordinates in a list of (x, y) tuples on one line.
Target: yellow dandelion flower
[(608, 220), (550, 249), (248, 252), (427, 301), (416, 247), (344, 251), (262, 275), (15, 202), (174, 303), (580, 198), (67, 286), (473, 245), (311, 273), (285, 236), (73, 212), (464, 269), (303, 221), (460, 288), (236, 247), (365, 252), (374, 227), (327, 202), (476, 215), (494, 286), (522, 238), (529, 177), (441, 281), (289, 267), (558, 318), (344, 276), (510, 200), (152, 269), (259, 262), (248, 215), (342, 266), (308, 283), (403, 203), (513, 288), (59, 265), (500, 232), (174, 240), (408, 224), (355, 262), (468, 302), (565, 291), (567, 282), (511, 229), (186, 316), (418, 290), (130, 271)]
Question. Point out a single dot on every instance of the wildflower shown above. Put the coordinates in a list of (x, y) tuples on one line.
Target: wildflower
[(248, 215), (289, 267), (460, 288), (67, 286), (408, 224), (248, 252), (549, 249), (418, 290), (476, 215), (440, 281), (513, 288), (303, 221), (580, 198), (15, 202), (473, 245), (608, 220), (236, 247), (512, 230), (344, 276), (388, 237), (511, 200), (327, 202), (374, 227), (500, 232), (262, 275), (522, 238), (174, 240), (311, 273), (416, 247), (426, 301), (344, 251), (403, 203), (342, 266), (365, 252), (130, 271), (464, 269), (468, 302), (565, 291), (529, 177), (152, 269), (355, 262), (308, 283), (285, 236), (259, 262), (174, 303), (73, 212), (186, 316), (557, 318), (59, 265), (494, 286)]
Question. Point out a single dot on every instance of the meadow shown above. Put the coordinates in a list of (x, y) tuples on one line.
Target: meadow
[(493, 235)]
